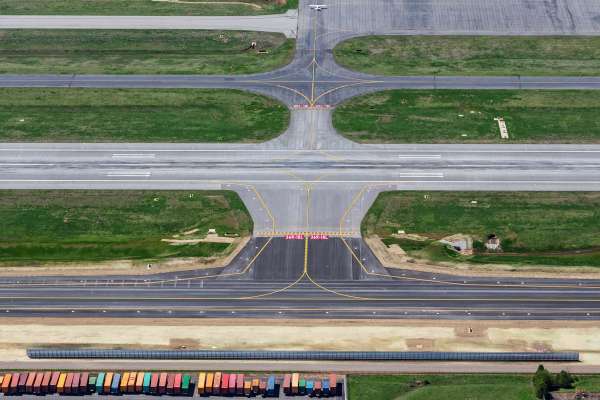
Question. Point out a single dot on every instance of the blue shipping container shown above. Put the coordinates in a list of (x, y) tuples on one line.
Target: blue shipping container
[(310, 387), (271, 386), (114, 389), (326, 386)]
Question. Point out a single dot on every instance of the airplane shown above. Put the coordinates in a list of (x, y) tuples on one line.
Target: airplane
[(318, 7)]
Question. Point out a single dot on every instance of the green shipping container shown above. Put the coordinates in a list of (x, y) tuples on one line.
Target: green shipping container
[(91, 384), (302, 386), (185, 384), (146, 384), (100, 382)]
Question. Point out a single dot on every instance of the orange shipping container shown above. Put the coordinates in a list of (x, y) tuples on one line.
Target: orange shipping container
[(29, 382), (139, 382), (209, 383), (131, 382), (6, 383), (201, 382), (107, 382), (124, 382), (217, 383)]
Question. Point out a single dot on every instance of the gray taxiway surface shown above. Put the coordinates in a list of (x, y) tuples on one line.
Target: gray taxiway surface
[(311, 181)]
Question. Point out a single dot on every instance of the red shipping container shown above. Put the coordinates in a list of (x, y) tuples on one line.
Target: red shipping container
[(170, 383), (232, 381), (53, 382), (287, 384), (14, 383), (68, 382), (177, 384), (333, 384), (162, 383), (83, 382), (37, 383), (154, 383), (240, 384), (46, 382), (21, 382), (75, 383), (28, 383), (225, 383)]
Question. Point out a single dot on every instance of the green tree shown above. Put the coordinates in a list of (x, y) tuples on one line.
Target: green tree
[(564, 380), (542, 383)]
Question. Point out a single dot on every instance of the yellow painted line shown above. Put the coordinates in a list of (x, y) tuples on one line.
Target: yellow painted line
[(350, 206)]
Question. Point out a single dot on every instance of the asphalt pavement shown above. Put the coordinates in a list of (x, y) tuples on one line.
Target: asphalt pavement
[(314, 183)]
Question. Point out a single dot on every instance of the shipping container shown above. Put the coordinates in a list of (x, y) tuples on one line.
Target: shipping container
[(210, 381), (287, 384), (46, 382), (271, 386), (325, 389), (201, 382), (139, 383), (116, 381), (262, 387), (21, 382), (302, 386), (225, 384), (248, 387), (68, 383), (60, 386), (100, 383), (186, 385), (295, 381), (154, 383), (146, 382), (217, 383), (170, 383), (317, 388), (232, 382), (28, 383), (177, 383), (162, 383), (84, 383), (6, 383), (108, 382), (240, 384), (255, 385), (123, 382), (53, 382), (333, 385), (131, 382), (75, 383), (91, 385), (310, 386)]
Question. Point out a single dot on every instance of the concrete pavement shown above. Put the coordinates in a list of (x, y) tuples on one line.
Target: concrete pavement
[(311, 181), (283, 23)]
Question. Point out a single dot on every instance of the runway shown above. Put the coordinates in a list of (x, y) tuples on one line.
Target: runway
[(313, 183)]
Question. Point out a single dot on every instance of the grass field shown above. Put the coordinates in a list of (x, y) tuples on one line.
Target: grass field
[(72, 225), (467, 116), (141, 7), (471, 55), (138, 115), (440, 387), (536, 228), (29, 51)]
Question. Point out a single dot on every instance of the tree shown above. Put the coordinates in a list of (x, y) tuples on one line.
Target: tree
[(564, 380), (542, 383)]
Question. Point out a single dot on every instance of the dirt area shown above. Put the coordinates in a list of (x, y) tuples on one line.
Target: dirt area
[(393, 258), (583, 336), (128, 267)]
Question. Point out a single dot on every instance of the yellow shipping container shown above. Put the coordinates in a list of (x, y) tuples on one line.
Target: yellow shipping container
[(201, 380)]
